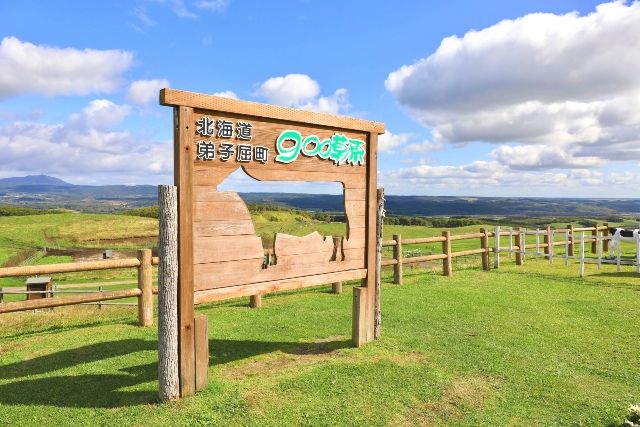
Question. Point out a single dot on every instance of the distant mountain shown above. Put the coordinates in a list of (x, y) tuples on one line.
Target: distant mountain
[(41, 191), (33, 180)]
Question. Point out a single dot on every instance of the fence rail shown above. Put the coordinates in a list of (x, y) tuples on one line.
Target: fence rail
[(144, 292), (599, 238)]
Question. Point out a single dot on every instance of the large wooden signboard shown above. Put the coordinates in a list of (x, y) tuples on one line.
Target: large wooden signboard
[(220, 255)]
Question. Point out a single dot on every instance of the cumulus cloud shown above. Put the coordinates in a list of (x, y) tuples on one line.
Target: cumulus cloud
[(493, 178), (565, 81), (226, 94), (26, 68), (84, 146), (534, 157), (301, 91), (144, 91), (100, 114), (388, 141)]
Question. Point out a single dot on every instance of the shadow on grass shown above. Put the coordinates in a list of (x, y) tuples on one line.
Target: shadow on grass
[(111, 390)]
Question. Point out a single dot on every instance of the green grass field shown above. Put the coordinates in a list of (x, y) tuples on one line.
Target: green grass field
[(531, 345)]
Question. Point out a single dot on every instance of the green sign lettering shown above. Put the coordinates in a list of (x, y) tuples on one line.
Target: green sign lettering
[(339, 148)]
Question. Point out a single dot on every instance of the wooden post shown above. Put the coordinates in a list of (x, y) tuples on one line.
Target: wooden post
[(201, 331), (518, 243), (145, 284), (168, 377), (606, 242), (336, 287), (572, 241), (510, 242), (1, 295), (582, 254), (447, 267), (547, 242), (496, 248), (255, 301), (594, 236), (377, 314), (484, 244), (100, 289), (184, 147), (398, 256), (359, 313)]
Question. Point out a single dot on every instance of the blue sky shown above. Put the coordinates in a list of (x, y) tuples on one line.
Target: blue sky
[(526, 98)]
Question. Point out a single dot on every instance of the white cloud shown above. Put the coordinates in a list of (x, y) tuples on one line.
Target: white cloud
[(423, 147), (212, 5), (144, 91), (565, 81), (100, 114), (388, 141), (85, 149), (26, 68), (534, 157), (301, 91), (226, 94)]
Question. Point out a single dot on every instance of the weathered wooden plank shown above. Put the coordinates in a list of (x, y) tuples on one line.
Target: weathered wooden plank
[(208, 211), (219, 294), (238, 273), (226, 248), (10, 307), (225, 105), (31, 270), (313, 243), (225, 227)]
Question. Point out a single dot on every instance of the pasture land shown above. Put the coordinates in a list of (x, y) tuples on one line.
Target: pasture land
[(530, 345)]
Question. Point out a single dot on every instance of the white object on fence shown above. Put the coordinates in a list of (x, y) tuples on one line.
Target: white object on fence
[(582, 254), (169, 383), (496, 249), (566, 247)]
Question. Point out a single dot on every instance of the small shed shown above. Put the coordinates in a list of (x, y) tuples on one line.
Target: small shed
[(108, 254), (42, 284)]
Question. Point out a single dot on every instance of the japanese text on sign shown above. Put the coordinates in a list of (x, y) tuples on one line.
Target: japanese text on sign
[(339, 148)]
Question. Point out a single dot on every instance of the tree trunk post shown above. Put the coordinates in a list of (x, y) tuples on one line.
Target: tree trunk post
[(447, 267), (168, 294), (397, 255), (145, 284), (377, 314)]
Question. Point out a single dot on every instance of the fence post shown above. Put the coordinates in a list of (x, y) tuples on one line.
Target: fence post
[(447, 267), (377, 313), (100, 289), (546, 239), (594, 242), (1, 295), (572, 241), (398, 256), (168, 294), (145, 284), (518, 243), (255, 301), (605, 242), (496, 248), (582, 254), (484, 244), (510, 242)]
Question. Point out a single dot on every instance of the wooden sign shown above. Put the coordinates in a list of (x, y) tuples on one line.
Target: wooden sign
[(220, 254)]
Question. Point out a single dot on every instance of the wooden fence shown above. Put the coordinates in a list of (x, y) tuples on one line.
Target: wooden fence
[(545, 242), (144, 292)]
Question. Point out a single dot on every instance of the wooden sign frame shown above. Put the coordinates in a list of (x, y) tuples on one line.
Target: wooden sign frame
[(217, 247)]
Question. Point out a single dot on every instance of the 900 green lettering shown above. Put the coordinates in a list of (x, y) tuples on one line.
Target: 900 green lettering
[(339, 148)]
